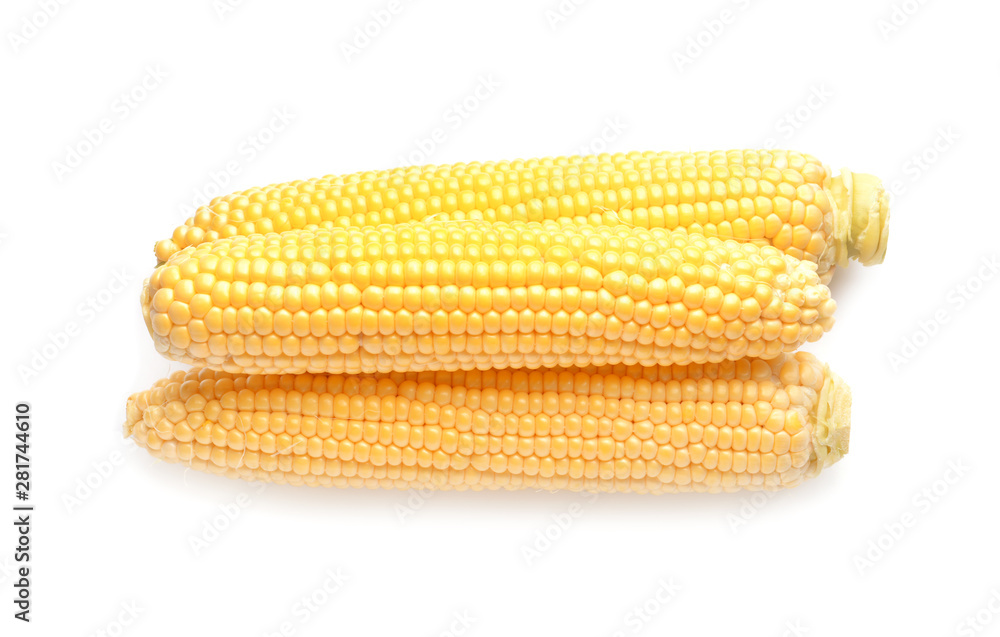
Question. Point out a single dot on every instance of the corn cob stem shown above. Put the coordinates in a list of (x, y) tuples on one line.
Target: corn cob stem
[(748, 424), (861, 223)]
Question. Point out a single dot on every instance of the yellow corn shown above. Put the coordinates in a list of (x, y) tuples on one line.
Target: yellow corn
[(464, 295), (787, 199), (745, 424)]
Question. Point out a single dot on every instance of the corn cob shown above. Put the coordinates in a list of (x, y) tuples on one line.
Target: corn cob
[(745, 424), (457, 295), (787, 199)]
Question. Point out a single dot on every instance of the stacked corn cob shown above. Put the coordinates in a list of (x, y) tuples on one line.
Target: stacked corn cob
[(601, 323)]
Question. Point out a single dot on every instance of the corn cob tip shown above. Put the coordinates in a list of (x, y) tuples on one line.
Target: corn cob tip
[(831, 435), (861, 224)]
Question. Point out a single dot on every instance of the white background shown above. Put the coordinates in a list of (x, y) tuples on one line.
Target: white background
[(885, 97)]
